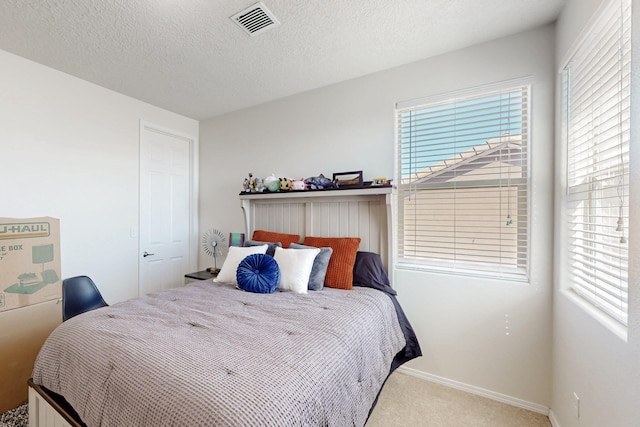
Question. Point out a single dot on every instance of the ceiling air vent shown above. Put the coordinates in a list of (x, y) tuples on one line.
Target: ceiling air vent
[(255, 19)]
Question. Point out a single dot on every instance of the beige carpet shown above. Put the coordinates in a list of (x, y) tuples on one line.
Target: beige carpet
[(411, 401), (408, 401)]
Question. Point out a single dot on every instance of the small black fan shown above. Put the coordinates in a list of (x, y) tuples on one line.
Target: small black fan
[(214, 244)]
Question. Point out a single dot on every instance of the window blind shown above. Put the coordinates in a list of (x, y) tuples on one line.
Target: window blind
[(463, 187), (596, 119)]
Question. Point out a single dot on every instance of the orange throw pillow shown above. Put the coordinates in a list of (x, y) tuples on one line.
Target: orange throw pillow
[(270, 236), (340, 269)]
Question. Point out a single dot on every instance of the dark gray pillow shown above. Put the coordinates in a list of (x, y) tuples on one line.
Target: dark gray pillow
[(271, 246), (319, 269)]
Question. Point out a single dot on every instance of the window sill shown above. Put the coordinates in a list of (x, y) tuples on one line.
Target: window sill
[(506, 277), (611, 324)]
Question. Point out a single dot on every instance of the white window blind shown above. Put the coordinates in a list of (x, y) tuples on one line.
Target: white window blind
[(596, 119), (463, 186)]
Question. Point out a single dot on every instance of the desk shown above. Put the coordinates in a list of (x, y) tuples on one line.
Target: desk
[(199, 275)]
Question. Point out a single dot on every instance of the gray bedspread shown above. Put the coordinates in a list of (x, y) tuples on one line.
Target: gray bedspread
[(208, 354)]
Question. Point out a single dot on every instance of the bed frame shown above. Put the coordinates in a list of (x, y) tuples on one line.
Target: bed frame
[(46, 409), (364, 213)]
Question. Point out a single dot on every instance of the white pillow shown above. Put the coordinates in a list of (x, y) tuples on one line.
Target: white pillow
[(295, 268), (234, 258)]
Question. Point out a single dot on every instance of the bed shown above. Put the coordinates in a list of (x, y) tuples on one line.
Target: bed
[(211, 354)]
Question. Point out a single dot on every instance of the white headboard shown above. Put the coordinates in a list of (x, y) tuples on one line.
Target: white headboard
[(364, 213)]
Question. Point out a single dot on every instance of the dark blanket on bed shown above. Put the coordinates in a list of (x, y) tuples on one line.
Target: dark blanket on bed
[(369, 272)]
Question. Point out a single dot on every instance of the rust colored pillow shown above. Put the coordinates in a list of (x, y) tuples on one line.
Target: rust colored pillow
[(270, 236), (340, 269)]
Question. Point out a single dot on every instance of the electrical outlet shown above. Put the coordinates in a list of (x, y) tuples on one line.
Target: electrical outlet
[(576, 404)]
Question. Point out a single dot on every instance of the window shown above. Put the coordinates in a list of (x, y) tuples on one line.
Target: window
[(463, 185), (596, 120)]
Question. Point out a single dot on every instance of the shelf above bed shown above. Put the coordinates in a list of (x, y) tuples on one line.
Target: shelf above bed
[(332, 192)]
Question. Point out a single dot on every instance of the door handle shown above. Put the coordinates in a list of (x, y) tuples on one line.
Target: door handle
[(146, 254)]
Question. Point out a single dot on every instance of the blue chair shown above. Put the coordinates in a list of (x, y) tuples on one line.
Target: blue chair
[(79, 295)]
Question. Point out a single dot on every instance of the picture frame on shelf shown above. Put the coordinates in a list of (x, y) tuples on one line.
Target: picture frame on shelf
[(351, 179)]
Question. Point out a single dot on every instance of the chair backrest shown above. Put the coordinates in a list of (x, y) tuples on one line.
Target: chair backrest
[(79, 295)]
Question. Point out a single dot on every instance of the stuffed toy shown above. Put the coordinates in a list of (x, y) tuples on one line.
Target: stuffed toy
[(268, 180), (260, 187), (274, 186), (298, 184), (285, 184), (319, 182)]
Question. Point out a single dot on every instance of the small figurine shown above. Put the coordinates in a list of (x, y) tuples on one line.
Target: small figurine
[(249, 184), (260, 187), (380, 181)]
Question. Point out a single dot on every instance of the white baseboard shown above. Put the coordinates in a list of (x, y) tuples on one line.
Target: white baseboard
[(553, 420), (509, 400)]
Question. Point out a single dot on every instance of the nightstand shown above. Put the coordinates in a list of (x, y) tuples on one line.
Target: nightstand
[(199, 275)]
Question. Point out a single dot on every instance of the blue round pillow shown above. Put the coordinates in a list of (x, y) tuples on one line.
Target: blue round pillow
[(258, 273)]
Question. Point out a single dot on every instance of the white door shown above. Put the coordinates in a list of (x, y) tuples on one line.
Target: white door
[(165, 208)]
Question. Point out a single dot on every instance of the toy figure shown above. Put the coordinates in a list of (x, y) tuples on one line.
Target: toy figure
[(252, 183)]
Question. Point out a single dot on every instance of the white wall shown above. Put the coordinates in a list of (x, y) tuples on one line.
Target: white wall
[(589, 358), (70, 150), (461, 322)]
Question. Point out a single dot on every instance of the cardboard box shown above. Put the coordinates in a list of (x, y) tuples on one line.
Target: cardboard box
[(30, 285), (29, 261), (22, 334)]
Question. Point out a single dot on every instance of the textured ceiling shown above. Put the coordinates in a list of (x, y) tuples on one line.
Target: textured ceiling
[(187, 56)]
